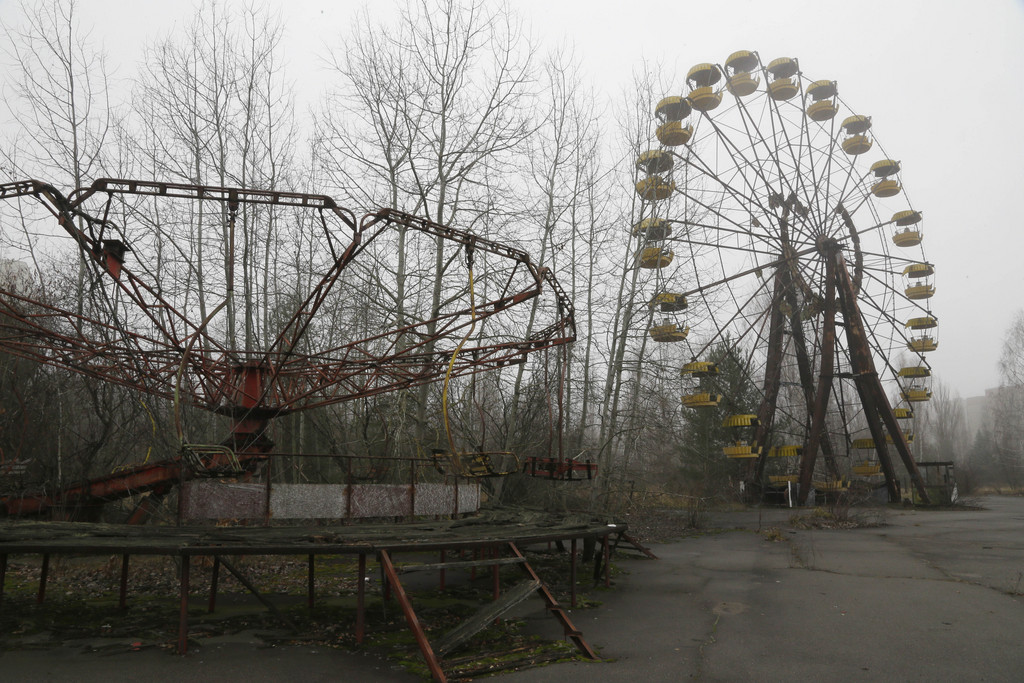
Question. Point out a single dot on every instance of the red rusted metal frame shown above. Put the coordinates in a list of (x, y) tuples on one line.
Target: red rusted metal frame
[(410, 616), (826, 364), (140, 479), (122, 595), (219, 377), (336, 374), (562, 470), (361, 599), (572, 574), (568, 629), (877, 409)]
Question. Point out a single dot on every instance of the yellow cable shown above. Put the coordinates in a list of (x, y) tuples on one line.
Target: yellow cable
[(451, 366)]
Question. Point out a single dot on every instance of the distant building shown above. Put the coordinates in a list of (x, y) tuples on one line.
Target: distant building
[(14, 276), (979, 411)]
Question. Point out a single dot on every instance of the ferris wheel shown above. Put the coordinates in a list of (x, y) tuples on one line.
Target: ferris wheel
[(775, 225)]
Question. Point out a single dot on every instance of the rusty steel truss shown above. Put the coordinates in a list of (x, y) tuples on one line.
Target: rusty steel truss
[(131, 327)]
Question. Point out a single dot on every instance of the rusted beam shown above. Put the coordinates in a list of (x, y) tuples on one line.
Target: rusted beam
[(122, 599), (361, 599), (44, 573), (572, 574), (819, 408), (568, 628), (410, 617), (870, 387), (772, 373)]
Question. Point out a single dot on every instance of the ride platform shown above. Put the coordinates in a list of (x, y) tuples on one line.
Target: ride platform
[(494, 539)]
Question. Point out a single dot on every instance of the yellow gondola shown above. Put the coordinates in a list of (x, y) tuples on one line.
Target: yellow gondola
[(674, 133), (698, 368), (704, 74), (822, 90), (886, 188), (923, 323), (825, 110), (856, 124), (652, 228), (783, 67), (742, 84), (856, 144), (918, 292), (741, 61), (705, 98), (668, 332), (701, 400), (655, 257), (741, 450), (653, 188), (655, 161), (915, 371), (885, 168), (917, 270), (863, 444), (856, 128), (674, 108), (907, 238), (922, 345), (903, 413), (906, 217), (782, 89), (668, 302), (740, 421), (790, 451), (916, 394)]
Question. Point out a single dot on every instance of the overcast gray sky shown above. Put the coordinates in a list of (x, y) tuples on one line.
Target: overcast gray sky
[(942, 80)]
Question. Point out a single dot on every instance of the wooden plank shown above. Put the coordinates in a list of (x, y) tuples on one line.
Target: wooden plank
[(458, 564), (485, 615)]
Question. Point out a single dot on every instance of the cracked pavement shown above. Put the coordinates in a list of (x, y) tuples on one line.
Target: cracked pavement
[(930, 595)]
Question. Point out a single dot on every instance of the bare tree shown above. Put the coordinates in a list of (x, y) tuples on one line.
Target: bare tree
[(430, 114)]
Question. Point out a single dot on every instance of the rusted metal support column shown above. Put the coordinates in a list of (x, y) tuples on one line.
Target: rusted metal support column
[(440, 572), (186, 560), (495, 574), (3, 576), (871, 391), (361, 600), (410, 617), (572, 573), (825, 371), (214, 580), (772, 375), (122, 601), (311, 593), (607, 562), (44, 572)]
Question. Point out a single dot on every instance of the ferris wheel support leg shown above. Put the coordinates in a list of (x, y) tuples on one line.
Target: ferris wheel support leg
[(772, 378), (876, 406), (824, 390)]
